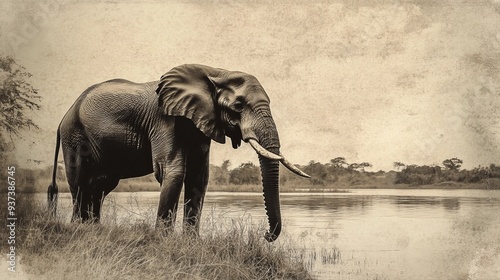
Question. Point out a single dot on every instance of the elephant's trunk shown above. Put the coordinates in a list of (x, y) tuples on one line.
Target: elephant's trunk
[(268, 137), (270, 184)]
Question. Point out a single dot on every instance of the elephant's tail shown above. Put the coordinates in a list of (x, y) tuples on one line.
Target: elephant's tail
[(52, 191)]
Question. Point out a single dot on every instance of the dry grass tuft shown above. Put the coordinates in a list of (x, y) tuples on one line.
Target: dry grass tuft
[(57, 250)]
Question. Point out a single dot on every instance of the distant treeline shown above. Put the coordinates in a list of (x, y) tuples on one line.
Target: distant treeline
[(449, 172), (321, 174), (337, 173)]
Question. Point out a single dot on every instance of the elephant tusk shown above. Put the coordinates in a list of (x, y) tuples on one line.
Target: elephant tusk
[(293, 168), (262, 151)]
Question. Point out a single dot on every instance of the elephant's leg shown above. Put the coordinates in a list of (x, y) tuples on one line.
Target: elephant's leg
[(82, 202), (195, 184), (78, 161), (87, 199), (97, 200), (101, 186), (170, 173)]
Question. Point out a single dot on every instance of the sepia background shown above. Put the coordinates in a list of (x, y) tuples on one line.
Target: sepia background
[(376, 81), (385, 83)]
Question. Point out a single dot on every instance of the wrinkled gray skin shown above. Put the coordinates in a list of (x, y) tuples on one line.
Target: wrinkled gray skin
[(119, 129)]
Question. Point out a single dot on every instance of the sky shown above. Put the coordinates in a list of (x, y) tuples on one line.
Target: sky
[(372, 81)]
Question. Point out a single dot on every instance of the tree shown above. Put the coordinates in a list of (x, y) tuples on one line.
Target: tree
[(399, 165), (219, 175), (452, 163), (360, 167), (226, 165), (317, 171), (246, 173), (339, 162), (16, 97), (354, 166), (364, 165), (419, 175)]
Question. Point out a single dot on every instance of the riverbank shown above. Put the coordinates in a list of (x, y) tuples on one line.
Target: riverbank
[(50, 249), (493, 183), (488, 184), (134, 185)]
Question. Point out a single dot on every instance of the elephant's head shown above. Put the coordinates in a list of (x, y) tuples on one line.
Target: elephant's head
[(225, 103)]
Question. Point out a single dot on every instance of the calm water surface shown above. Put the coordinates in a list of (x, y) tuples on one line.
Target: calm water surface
[(364, 234)]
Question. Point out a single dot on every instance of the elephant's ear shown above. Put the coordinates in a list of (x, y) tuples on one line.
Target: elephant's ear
[(187, 91)]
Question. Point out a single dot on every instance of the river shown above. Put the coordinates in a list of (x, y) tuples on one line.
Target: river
[(363, 234)]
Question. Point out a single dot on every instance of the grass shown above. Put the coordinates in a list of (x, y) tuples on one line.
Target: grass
[(52, 249)]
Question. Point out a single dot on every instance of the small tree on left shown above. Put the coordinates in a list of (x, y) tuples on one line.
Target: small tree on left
[(17, 97)]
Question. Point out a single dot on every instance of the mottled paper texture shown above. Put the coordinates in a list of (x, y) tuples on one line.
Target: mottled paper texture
[(374, 81), (409, 81)]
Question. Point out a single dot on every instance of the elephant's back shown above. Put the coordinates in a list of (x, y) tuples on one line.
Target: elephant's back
[(112, 100), (121, 86), (116, 99)]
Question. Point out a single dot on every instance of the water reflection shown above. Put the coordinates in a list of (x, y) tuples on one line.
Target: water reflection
[(331, 203), (448, 203)]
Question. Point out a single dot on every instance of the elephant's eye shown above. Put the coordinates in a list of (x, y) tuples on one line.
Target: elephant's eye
[(238, 105)]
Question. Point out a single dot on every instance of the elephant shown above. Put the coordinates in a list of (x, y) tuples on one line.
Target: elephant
[(119, 129)]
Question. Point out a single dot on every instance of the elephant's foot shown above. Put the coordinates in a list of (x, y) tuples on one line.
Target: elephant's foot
[(165, 224), (191, 223), (85, 219), (191, 230), (89, 213)]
